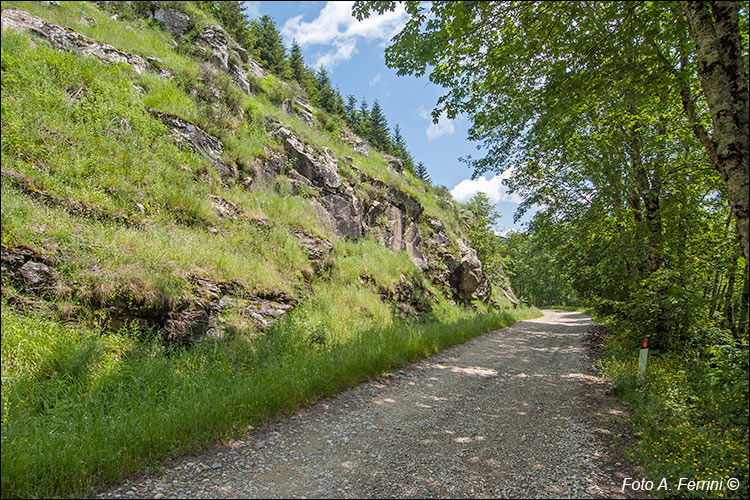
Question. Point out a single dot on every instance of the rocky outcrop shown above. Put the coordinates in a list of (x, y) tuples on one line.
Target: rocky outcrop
[(318, 249), (358, 144), (303, 109), (409, 296), (212, 44), (67, 39), (468, 275), (393, 219), (395, 164), (256, 70), (28, 269), (202, 142), (172, 20), (337, 206)]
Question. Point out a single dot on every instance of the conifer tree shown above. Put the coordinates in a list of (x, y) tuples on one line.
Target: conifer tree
[(363, 126), (379, 135), (269, 46), (297, 64), (399, 149), (351, 115), (421, 171)]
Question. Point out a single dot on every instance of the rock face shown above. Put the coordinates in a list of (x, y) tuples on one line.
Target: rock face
[(68, 39), (318, 165), (301, 107), (214, 45), (468, 275), (395, 164), (172, 20), (200, 141), (358, 144), (393, 220), (338, 206)]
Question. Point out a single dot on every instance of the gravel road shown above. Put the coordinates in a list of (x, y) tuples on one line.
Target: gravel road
[(514, 413)]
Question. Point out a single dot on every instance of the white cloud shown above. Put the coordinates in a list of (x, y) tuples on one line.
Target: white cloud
[(504, 232), (493, 188), (252, 9), (336, 26), (444, 126), (375, 80)]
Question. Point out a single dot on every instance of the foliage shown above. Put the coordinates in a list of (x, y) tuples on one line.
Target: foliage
[(480, 231), (692, 414)]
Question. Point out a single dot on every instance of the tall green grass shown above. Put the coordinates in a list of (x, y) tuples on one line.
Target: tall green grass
[(80, 408)]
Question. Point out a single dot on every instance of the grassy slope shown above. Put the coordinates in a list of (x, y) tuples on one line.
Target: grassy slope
[(82, 405)]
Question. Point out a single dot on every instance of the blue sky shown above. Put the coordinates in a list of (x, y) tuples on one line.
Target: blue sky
[(353, 53)]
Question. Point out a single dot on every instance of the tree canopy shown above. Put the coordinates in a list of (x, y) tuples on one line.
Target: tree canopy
[(626, 122)]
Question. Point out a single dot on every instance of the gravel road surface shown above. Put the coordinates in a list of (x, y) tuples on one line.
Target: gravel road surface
[(514, 413)]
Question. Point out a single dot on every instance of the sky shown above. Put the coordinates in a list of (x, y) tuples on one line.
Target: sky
[(354, 54)]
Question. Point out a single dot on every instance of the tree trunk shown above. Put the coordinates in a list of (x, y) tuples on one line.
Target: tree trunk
[(728, 321), (744, 306), (714, 28)]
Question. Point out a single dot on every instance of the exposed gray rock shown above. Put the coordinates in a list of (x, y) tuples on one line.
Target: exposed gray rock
[(286, 106), (346, 210), (318, 249), (358, 144), (172, 20), (239, 76), (224, 209), (395, 164), (204, 143), (319, 165), (36, 274), (303, 109), (68, 39), (213, 44), (468, 275), (396, 230), (255, 69)]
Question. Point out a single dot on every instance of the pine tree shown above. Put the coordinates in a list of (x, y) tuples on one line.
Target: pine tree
[(351, 115), (297, 64), (421, 171), (379, 135), (399, 149), (363, 126), (269, 46), (326, 94)]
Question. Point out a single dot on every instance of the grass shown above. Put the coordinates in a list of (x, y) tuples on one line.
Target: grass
[(81, 409), (122, 209), (691, 417)]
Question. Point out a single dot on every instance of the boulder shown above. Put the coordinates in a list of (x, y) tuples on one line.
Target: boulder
[(36, 274), (468, 274), (172, 20)]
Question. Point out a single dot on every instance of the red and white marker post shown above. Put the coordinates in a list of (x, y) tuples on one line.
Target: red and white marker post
[(643, 359)]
